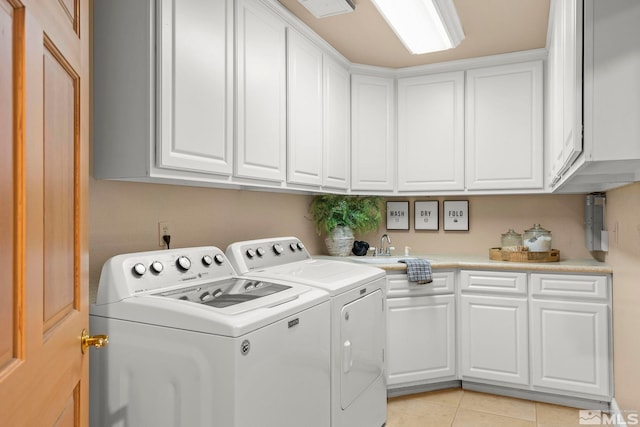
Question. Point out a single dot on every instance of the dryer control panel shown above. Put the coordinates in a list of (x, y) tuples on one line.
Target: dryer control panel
[(254, 255)]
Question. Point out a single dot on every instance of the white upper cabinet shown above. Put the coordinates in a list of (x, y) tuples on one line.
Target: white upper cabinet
[(261, 92), (504, 144), (565, 86), (317, 116), (304, 110), (163, 89), (337, 125), (372, 133), (431, 132), (195, 77), (598, 41)]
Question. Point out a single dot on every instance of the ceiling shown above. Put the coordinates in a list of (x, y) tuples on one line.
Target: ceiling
[(490, 27)]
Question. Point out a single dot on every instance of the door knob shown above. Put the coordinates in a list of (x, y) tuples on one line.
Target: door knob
[(97, 341)]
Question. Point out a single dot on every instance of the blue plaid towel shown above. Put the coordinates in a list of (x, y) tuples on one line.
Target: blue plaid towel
[(418, 270)]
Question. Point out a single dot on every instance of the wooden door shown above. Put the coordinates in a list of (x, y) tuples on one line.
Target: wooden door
[(44, 93)]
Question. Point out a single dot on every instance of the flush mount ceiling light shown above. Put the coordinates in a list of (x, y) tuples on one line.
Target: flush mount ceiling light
[(423, 25), (323, 8)]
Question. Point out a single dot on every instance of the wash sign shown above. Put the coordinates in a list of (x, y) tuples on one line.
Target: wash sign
[(593, 417)]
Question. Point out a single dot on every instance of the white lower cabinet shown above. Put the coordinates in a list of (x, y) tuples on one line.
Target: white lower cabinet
[(536, 332), (494, 338), (571, 349), (421, 344)]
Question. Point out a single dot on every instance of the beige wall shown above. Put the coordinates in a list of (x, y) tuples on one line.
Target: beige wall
[(623, 210), (124, 218), (490, 216)]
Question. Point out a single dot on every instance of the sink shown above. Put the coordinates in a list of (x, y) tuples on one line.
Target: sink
[(378, 259)]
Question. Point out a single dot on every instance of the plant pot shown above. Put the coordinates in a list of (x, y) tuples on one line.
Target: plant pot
[(340, 241)]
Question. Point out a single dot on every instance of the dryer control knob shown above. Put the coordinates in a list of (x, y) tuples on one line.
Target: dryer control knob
[(277, 248), (139, 269), (293, 247), (300, 246), (251, 253), (260, 252), (218, 258), (207, 260), (157, 267), (183, 263)]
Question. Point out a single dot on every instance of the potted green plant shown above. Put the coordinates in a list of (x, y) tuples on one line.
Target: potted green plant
[(339, 216)]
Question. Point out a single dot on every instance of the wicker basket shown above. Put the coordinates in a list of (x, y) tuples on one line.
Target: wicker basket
[(498, 254)]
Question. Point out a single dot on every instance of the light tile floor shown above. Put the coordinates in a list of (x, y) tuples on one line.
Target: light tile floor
[(463, 408)]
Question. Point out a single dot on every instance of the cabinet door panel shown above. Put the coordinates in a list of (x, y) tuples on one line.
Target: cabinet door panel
[(570, 347), (372, 152), (504, 127), (431, 132), (195, 75), (261, 93), (494, 339), (421, 338), (337, 125), (304, 138)]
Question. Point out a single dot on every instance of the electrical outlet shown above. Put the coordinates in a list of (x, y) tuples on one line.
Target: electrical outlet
[(163, 230)]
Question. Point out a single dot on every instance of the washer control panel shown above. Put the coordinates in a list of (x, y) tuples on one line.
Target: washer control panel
[(263, 253), (132, 274)]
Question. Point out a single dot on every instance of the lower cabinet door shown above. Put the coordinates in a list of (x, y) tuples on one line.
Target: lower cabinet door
[(494, 339), (571, 347), (420, 339)]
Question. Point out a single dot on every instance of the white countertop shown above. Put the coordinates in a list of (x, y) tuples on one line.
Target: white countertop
[(442, 261)]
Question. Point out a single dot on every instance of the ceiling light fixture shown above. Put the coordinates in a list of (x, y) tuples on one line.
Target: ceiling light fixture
[(423, 25)]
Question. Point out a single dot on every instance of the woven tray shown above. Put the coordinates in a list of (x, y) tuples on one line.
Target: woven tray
[(524, 256)]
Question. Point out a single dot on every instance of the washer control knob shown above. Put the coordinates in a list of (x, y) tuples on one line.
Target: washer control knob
[(139, 269), (249, 286), (206, 296), (277, 248), (218, 258), (251, 253), (217, 293), (207, 260), (300, 246), (260, 252), (183, 263), (293, 247), (157, 267)]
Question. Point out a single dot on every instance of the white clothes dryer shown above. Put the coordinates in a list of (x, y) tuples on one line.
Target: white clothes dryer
[(358, 320), (193, 345)]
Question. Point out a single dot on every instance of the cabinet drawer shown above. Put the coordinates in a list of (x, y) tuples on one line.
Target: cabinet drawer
[(399, 285), (570, 285), (498, 282)]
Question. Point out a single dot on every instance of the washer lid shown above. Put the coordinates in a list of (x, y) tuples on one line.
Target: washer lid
[(232, 320)]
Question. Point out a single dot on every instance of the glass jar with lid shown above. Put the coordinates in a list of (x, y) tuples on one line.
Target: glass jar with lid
[(537, 239), (511, 239)]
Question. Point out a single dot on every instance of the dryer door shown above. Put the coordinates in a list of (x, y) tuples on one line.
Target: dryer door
[(362, 332)]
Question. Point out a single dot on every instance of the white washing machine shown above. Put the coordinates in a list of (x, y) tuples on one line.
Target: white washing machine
[(191, 344), (358, 320)]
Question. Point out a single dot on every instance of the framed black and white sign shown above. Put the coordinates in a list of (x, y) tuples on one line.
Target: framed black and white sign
[(425, 215), (397, 215), (456, 215)]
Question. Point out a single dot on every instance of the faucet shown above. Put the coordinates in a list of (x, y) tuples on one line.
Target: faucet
[(382, 251)]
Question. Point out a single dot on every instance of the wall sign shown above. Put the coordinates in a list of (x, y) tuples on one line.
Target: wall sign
[(425, 215), (397, 215), (456, 215)]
